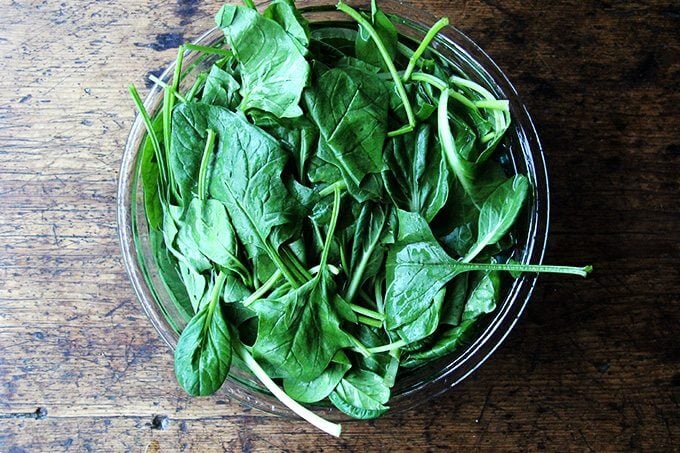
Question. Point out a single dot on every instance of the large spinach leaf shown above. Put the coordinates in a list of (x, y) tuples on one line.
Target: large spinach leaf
[(299, 333), (349, 106), (273, 67), (203, 354)]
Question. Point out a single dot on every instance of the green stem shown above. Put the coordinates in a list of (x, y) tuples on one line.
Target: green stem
[(293, 279), (369, 321), (205, 161), (164, 85), (262, 290), (499, 118), (441, 85), (432, 32), (206, 49), (249, 3), (359, 345), (390, 66), (388, 347), (366, 312), (331, 228), (324, 425), (511, 267), (359, 271), (152, 133), (214, 298), (329, 189), (196, 86), (302, 273), (494, 104), (176, 76)]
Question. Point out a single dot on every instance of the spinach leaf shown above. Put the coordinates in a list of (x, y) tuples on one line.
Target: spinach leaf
[(221, 88), (349, 106), (367, 254), (273, 67), (483, 297), (320, 387), (297, 136), (417, 179), (499, 212), (454, 302), (283, 12), (246, 177), (361, 394), (208, 227), (448, 342), (168, 270), (299, 333), (203, 354)]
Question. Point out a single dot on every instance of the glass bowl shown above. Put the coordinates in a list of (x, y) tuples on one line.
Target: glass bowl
[(524, 153)]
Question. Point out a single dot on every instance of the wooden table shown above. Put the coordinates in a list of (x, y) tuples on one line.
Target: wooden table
[(593, 364)]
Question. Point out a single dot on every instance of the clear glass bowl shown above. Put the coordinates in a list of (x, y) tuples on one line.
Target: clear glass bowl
[(525, 156)]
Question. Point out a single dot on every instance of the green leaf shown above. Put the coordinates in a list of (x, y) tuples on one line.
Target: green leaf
[(349, 106), (454, 303), (361, 394), (208, 227), (168, 270), (297, 136), (499, 212), (417, 179), (273, 67), (449, 341), (483, 297), (203, 353), (320, 387), (284, 13), (221, 88), (368, 244), (299, 333), (246, 174)]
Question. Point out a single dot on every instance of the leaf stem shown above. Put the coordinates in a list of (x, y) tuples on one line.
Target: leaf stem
[(262, 290), (205, 161), (441, 85), (214, 298), (164, 85), (354, 14), (365, 311), (369, 321), (331, 228), (432, 32), (512, 267), (324, 425), (388, 347), (329, 189), (150, 130), (249, 3), (206, 49), (359, 345), (200, 79)]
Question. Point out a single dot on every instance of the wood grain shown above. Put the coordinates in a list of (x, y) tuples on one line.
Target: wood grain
[(593, 364)]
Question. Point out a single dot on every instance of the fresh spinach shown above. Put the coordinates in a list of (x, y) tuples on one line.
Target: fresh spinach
[(327, 206)]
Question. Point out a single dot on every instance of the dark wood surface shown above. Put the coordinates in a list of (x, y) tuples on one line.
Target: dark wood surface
[(592, 365)]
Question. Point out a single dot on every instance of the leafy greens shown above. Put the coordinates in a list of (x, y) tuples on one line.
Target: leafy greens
[(327, 207)]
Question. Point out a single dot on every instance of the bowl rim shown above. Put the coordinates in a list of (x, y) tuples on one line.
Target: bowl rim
[(515, 297)]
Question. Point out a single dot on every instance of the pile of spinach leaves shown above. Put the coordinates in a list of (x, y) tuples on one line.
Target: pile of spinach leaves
[(326, 207)]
